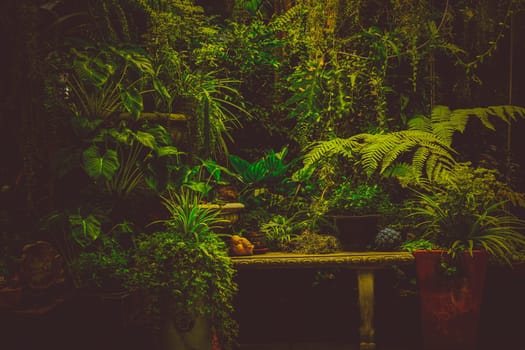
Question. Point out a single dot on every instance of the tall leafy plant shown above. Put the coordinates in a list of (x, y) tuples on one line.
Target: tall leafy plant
[(108, 79), (217, 102), (186, 267)]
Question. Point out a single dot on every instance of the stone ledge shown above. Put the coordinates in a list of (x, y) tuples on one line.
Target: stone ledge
[(349, 260)]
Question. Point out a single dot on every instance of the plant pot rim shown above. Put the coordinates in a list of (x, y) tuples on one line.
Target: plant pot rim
[(225, 206), (343, 215), (445, 251)]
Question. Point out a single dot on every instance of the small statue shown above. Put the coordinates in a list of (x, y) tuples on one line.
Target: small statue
[(240, 246)]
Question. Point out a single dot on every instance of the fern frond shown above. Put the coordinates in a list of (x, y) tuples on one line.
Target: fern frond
[(292, 15), (420, 122), (337, 146), (422, 156)]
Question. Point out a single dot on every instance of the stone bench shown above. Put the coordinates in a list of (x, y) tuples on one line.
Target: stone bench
[(365, 263)]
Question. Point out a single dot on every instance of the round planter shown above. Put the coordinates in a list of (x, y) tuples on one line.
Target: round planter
[(227, 211)]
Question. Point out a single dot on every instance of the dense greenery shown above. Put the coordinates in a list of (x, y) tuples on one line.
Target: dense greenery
[(303, 107), (469, 212), (186, 267)]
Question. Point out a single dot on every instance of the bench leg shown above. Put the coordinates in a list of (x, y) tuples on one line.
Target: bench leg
[(365, 285)]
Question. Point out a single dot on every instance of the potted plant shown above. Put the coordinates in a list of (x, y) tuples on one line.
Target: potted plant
[(187, 277), (212, 183), (467, 218), (356, 210), (262, 184)]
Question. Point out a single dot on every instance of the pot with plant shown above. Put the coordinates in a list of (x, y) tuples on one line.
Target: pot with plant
[(356, 211), (187, 276), (467, 217), (213, 184)]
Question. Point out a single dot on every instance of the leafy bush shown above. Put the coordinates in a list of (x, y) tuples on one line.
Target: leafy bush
[(187, 265), (359, 200), (469, 212), (105, 267)]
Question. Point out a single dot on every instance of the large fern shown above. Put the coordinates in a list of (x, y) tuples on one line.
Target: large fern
[(283, 21), (424, 150), (444, 122), (428, 155)]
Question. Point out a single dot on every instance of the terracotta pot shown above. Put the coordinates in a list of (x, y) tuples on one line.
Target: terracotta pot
[(450, 304), (356, 233), (10, 297)]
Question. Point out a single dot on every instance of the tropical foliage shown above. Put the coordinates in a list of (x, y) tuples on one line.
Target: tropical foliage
[(470, 212), (189, 264), (424, 150), (300, 104)]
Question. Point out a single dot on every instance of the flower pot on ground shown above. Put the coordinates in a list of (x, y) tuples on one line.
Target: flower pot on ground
[(10, 289), (463, 214), (450, 300), (187, 277), (10, 297)]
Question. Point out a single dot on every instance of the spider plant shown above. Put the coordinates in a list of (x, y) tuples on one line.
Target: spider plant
[(187, 218), (461, 225)]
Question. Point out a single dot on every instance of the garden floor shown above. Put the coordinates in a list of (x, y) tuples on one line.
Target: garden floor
[(285, 310), (308, 346)]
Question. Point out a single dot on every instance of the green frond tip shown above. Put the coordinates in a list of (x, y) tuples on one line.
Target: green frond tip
[(427, 152), (429, 155), (443, 122), (347, 147)]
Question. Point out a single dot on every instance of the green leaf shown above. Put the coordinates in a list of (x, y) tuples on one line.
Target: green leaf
[(97, 165), (161, 89), (132, 101), (168, 151), (199, 187), (146, 139), (85, 230)]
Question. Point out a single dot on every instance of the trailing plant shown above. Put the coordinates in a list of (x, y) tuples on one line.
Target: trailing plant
[(217, 102), (187, 47), (188, 264)]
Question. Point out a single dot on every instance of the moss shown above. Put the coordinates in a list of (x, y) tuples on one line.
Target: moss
[(313, 243)]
